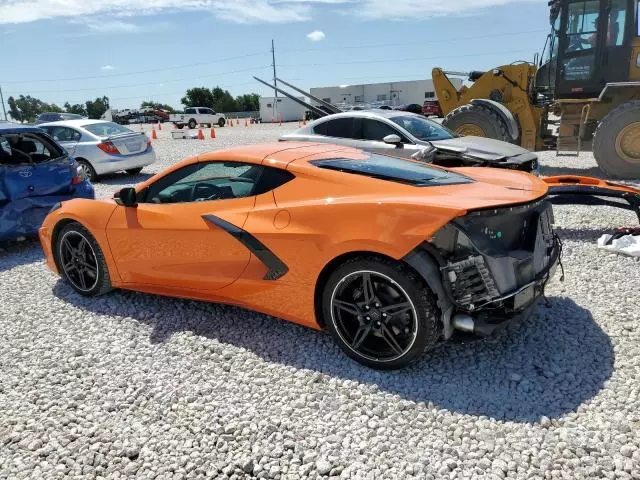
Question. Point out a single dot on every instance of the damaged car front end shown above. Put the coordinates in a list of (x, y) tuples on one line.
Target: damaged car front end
[(35, 175), (489, 267)]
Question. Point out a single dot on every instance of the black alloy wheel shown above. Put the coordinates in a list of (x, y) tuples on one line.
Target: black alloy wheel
[(80, 261), (381, 315)]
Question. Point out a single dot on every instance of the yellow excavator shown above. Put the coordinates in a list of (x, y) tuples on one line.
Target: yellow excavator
[(583, 94)]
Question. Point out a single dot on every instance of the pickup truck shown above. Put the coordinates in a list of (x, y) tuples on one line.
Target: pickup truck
[(194, 116)]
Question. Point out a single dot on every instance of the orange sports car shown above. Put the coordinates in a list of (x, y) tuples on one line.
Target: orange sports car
[(390, 255)]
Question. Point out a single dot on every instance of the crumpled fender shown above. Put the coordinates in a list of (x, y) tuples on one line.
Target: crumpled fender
[(577, 190)]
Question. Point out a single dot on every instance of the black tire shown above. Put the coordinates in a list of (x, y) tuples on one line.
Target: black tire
[(208, 125), (414, 330), (179, 127), (134, 171), (192, 124), (488, 123), (88, 170), (610, 138), (221, 122), (77, 255)]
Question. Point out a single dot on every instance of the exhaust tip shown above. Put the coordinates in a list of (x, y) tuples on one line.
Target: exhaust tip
[(463, 322)]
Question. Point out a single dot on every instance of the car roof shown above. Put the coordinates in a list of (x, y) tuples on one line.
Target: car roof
[(372, 113), (12, 128), (78, 122)]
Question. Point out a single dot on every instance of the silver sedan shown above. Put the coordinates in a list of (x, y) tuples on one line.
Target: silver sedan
[(102, 147), (404, 134)]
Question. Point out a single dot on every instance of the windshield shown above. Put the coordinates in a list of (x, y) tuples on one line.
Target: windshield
[(106, 129), (393, 169), (423, 129)]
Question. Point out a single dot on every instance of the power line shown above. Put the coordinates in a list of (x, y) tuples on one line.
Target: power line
[(427, 42), (361, 62), (177, 67), (250, 69)]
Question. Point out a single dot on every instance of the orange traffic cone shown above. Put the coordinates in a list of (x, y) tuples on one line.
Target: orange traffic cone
[(246, 122), (272, 120), (154, 135), (213, 132), (299, 123), (231, 122), (159, 125), (237, 122), (200, 134)]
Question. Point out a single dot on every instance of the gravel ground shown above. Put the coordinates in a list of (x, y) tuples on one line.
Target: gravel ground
[(138, 385)]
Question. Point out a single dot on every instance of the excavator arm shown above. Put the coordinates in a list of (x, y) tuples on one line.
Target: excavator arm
[(577, 190)]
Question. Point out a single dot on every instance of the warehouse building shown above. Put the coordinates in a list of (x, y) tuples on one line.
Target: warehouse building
[(376, 94), (284, 109)]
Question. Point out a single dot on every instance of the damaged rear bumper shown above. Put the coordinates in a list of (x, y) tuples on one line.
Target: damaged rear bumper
[(577, 190), (490, 267)]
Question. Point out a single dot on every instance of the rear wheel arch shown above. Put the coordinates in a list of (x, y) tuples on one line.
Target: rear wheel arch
[(422, 263)]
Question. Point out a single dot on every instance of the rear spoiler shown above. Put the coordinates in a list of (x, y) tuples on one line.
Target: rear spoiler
[(577, 190)]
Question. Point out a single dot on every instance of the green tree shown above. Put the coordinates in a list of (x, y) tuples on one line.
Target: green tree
[(27, 108), (78, 109), (97, 107), (248, 102), (157, 106), (198, 97), (223, 102)]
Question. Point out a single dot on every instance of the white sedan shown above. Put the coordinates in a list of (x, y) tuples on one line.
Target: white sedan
[(102, 147)]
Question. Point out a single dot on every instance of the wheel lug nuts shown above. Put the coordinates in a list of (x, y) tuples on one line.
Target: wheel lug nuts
[(366, 307), (384, 315)]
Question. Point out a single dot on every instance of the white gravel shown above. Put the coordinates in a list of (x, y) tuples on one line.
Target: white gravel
[(137, 385)]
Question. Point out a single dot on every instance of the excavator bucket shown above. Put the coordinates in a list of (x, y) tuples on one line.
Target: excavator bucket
[(577, 190)]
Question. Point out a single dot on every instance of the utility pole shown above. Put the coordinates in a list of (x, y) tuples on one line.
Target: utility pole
[(275, 81), (2, 101)]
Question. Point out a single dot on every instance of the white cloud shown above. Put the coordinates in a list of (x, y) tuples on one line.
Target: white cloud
[(238, 11), (316, 36), (107, 67)]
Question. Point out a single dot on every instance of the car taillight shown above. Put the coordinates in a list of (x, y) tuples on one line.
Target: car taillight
[(109, 148)]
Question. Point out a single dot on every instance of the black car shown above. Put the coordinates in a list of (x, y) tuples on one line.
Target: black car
[(56, 117), (412, 108)]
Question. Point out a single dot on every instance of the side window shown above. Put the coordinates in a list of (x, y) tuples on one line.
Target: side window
[(582, 25), (189, 110), (340, 128), (205, 182), (375, 130), (615, 26), (64, 134)]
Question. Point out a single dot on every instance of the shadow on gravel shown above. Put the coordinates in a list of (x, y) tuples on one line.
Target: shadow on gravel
[(122, 178), (582, 234), (548, 365), (14, 254)]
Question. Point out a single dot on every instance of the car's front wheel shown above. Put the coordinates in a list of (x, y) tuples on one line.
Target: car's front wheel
[(134, 171), (80, 261), (380, 312)]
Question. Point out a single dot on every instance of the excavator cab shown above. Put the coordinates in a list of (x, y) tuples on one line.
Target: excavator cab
[(590, 46)]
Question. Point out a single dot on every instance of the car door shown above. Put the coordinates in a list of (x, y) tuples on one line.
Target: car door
[(65, 136), (372, 136), (174, 237)]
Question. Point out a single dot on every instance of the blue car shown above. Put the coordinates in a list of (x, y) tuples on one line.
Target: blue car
[(35, 174)]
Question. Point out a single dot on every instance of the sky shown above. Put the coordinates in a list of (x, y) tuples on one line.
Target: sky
[(136, 50)]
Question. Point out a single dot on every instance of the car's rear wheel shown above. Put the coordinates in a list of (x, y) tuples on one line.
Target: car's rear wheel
[(192, 124), (80, 261), (134, 171), (179, 127), (380, 312), (88, 171)]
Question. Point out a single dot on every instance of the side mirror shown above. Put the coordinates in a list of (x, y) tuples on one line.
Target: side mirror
[(392, 139), (126, 197)]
